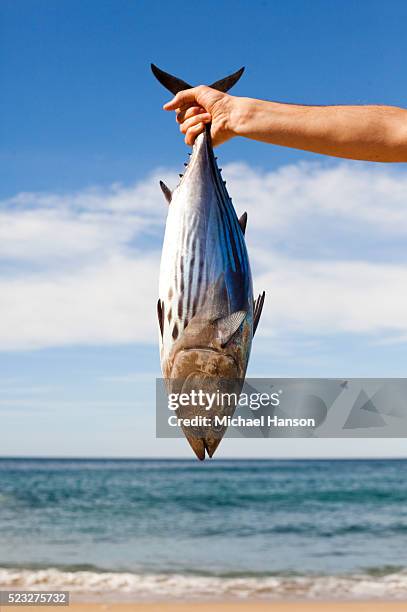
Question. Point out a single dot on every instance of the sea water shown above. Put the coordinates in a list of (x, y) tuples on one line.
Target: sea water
[(141, 529)]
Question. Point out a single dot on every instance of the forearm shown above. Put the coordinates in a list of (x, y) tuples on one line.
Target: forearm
[(372, 133)]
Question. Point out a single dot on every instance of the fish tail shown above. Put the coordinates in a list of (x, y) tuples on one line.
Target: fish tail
[(174, 84)]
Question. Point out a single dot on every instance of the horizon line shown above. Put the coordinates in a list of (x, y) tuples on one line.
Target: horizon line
[(193, 459)]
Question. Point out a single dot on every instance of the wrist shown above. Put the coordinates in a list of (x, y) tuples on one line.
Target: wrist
[(260, 119), (238, 115)]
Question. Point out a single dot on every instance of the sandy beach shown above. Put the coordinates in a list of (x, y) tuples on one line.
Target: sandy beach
[(247, 606)]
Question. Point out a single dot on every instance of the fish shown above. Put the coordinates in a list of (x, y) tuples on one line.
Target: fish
[(207, 316)]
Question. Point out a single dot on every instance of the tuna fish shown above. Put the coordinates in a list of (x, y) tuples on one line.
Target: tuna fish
[(206, 313)]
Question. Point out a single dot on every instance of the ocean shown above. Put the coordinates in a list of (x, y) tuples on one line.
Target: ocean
[(150, 529)]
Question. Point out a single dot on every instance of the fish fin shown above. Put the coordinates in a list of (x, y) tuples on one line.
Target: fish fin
[(243, 222), (258, 307), (227, 83), (197, 445), (228, 326), (174, 84), (166, 191), (160, 314)]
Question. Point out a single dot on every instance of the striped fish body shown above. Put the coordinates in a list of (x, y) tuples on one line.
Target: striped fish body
[(205, 288), (205, 283)]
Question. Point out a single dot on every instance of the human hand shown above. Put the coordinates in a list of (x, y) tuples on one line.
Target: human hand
[(200, 105)]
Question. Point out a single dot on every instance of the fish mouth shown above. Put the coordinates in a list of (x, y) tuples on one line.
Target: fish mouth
[(202, 349), (208, 361)]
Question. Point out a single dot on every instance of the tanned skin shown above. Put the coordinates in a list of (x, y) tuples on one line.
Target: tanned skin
[(370, 133)]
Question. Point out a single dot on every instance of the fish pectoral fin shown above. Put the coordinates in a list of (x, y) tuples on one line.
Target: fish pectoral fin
[(166, 191), (228, 326), (257, 309), (160, 314), (243, 222)]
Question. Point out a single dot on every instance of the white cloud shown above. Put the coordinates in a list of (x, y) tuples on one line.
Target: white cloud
[(112, 302), (352, 192), (329, 297), (53, 228), (45, 235), (82, 268)]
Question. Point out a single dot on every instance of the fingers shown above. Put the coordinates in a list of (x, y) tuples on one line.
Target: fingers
[(183, 98), (194, 120), (187, 112), (191, 116), (193, 132)]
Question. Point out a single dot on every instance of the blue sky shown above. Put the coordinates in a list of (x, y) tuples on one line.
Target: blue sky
[(83, 143)]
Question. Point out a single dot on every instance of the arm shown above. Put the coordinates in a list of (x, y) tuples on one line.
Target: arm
[(371, 133)]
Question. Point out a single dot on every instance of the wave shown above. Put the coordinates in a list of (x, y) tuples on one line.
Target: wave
[(375, 583)]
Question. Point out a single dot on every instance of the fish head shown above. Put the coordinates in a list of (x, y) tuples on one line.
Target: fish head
[(210, 360)]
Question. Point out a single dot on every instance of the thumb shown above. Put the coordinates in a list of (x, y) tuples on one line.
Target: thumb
[(187, 96)]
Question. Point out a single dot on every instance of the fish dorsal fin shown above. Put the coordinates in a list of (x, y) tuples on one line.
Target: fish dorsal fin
[(174, 84), (160, 314), (228, 326), (257, 308), (166, 191), (243, 222)]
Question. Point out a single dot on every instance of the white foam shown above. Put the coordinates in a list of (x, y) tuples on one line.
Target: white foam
[(156, 586)]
